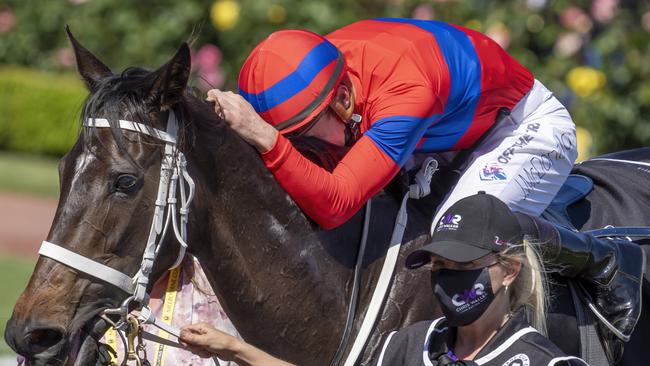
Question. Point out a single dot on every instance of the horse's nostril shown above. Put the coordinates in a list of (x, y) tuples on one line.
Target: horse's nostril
[(43, 338)]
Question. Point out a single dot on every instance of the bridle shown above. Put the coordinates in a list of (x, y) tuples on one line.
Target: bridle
[(174, 179)]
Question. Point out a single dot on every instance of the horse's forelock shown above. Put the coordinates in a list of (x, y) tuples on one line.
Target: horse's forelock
[(124, 96), (113, 98)]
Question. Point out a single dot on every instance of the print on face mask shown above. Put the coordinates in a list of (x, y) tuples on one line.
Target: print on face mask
[(469, 296), (463, 295)]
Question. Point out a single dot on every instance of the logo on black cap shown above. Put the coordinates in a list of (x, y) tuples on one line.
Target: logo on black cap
[(449, 222), (470, 229)]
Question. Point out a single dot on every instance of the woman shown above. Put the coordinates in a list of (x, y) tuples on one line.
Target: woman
[(490, 287)]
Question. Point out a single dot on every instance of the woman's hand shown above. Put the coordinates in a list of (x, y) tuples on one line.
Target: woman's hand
[(243, 119), (205, 341)]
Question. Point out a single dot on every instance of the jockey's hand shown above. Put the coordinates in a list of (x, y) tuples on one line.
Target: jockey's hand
[(242, 118), (205, 341)]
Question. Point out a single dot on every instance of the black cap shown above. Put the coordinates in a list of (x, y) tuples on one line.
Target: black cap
[(470, 229)]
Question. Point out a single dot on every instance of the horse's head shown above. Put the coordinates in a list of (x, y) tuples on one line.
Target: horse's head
[(109, 183)]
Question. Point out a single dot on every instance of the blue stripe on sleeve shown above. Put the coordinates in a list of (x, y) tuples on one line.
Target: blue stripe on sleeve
[(397, 136), (292, 84), (465, 88)]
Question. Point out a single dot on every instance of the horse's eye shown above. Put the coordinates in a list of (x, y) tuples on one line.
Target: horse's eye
[(125, 182)]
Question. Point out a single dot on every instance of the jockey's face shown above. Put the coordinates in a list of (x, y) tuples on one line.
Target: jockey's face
[(326, 126), (330, 124)]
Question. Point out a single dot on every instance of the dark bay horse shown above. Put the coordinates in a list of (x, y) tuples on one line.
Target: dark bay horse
[(284, 283)]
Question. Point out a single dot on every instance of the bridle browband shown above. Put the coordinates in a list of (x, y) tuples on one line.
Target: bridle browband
[(174, 179)]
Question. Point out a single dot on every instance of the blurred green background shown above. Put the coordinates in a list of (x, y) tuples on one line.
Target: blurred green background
[(594, 54)]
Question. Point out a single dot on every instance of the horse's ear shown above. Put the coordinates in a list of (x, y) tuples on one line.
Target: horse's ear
[(90, 68), (170, 80)]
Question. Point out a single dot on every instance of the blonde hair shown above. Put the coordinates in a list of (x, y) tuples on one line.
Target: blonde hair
[(530, 286)]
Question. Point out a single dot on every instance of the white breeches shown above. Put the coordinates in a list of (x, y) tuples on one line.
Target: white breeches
[(525, 159)]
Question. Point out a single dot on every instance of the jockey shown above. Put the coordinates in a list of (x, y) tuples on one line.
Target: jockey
[(393, 90)]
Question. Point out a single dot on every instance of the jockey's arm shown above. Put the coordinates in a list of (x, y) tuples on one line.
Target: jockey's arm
[(331, 199), (400, 120)]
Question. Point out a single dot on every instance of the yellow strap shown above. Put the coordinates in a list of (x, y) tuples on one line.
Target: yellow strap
[(168, 312), (111, 340)]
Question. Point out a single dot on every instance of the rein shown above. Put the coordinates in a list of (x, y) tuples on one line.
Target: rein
[(174, 179)]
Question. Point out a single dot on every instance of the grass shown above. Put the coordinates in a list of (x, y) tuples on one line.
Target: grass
[(14, 275), (28, 174)]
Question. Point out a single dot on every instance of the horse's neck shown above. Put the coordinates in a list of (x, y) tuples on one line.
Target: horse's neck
[(256, 247)]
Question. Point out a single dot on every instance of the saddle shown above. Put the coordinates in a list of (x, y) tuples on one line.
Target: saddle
[(598, 344), (574, 189)]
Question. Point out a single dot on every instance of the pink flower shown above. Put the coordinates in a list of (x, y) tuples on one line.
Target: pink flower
[(576, 19), (568, 44), (210, 78), (64, 57), (423, 12), (207, 57), (77, 2), (7, 20), (206, 63), (604, 10)]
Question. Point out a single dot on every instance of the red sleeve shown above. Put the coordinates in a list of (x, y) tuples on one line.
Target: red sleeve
[(331, 199)]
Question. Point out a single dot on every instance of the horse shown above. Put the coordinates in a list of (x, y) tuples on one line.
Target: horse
[(284, 283)]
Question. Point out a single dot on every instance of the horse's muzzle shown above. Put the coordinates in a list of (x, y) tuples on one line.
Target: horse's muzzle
[(38, 343)]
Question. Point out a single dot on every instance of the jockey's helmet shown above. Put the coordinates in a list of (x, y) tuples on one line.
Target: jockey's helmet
[(290, 77)]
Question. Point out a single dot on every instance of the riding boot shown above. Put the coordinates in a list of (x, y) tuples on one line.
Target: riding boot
[(611, 269)]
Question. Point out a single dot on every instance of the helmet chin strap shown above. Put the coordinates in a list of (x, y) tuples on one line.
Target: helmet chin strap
[(352, 129), (351, 124)]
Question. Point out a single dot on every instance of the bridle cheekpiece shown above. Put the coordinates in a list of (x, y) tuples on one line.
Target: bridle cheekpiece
[(174, 179)]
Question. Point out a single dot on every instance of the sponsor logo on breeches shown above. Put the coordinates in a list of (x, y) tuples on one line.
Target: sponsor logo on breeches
[(507, 154), (538, 166)]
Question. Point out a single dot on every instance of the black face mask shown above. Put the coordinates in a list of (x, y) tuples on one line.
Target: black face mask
[(463, 295)]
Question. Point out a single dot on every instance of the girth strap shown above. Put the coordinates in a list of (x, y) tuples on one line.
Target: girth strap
[(419, 189)]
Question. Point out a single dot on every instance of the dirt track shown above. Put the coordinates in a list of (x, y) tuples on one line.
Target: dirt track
[(24, 223)]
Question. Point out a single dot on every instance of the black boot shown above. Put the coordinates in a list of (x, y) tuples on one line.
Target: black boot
[(612, 269)]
